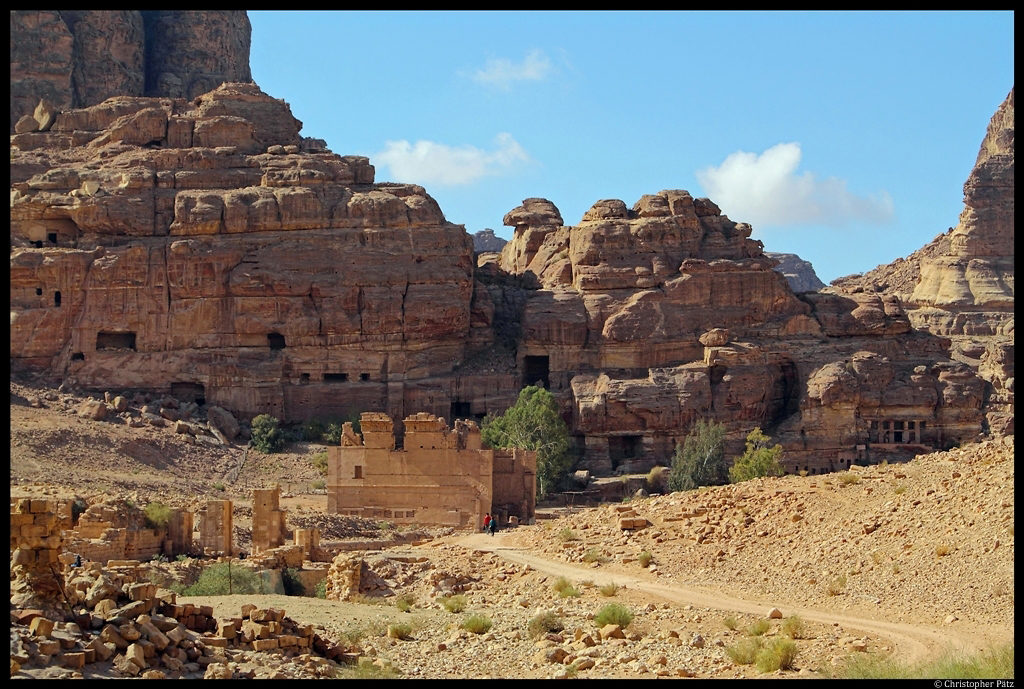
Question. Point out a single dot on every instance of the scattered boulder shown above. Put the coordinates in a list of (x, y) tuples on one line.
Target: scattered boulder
[(93, 409), (224, 421)]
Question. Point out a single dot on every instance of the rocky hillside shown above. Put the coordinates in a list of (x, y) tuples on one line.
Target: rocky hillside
[(78, 58), (960, 285), (798, 272)]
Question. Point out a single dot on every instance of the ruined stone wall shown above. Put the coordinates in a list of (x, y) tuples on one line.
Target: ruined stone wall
[(514, 482), (35, 547), (215, 527), (268, 519)]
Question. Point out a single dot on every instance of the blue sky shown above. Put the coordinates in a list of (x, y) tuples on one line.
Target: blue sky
[(843, 137)]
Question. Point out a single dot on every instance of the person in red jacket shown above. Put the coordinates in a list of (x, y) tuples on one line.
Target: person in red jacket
[(487, 522)]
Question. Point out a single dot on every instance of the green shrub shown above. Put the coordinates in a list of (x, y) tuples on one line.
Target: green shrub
[(399, 630), (760, 459), (292, 583), (454, 603), (759, 628), (332, 434), (793, 627), (319, 462), (644, 558), (561, 584), (745, 651), (700, 460), (542, 624), (610, 589), (657, 479), (219, 486), (477, 623), (534, 422), (266, 434), (951, 664), (405, 601), (157, 515), (181, 558), (778, 655), (368, 670), (313, 430), (569, 592), (731, 623), (567, 534), (847, 478), (214, 581), (613, 613), (835, 587), (321, 589), (595, 555)]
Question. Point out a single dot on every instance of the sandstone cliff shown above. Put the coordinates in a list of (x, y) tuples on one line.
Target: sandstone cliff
[(798, 273), (199, 244), (961, 284), (162, 241), (78, 58), (643, 320)]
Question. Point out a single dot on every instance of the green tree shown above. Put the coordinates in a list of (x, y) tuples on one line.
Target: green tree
[(266, 434), (759, 459), (700, 460), (534, 423)]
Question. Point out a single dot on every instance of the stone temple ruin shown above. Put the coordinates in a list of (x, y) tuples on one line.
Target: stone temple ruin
[(440, 475)]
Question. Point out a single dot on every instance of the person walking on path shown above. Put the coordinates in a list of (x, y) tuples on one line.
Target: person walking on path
[(487, 522)]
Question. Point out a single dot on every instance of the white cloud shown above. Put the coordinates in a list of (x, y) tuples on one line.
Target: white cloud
[(766, 189), (431, 163), (502, 72)]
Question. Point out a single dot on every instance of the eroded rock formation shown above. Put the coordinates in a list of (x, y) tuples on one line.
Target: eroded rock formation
[(206, 242), (960, 285), (798, 272), (646, 319), (78, 58), (162, 243)]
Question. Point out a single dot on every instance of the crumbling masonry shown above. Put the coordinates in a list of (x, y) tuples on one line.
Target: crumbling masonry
[(440, 476)]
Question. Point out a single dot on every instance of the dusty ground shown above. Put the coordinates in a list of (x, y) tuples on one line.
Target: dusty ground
[(907, 558)]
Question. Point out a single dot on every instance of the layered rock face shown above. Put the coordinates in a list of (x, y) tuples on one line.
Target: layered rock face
[(485, 241), (960, 286), (161, 241), (646, 319), (204, 246), (78, 58), (798, 273)]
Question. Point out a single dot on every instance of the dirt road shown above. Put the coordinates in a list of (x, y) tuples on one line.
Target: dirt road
[(913, 642)]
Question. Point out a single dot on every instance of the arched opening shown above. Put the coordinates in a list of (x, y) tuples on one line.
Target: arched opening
[(275, 341), (39, 291)]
